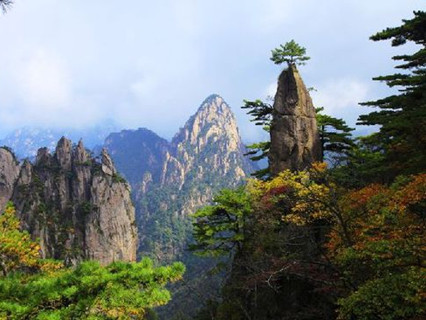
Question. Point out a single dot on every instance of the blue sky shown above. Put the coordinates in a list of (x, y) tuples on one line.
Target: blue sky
[(150, 64)]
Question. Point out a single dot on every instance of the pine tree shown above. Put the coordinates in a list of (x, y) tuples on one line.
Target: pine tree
[(35, 288), (335, 136), (290, 52), (261, 113), (402, 117), (5, 5)]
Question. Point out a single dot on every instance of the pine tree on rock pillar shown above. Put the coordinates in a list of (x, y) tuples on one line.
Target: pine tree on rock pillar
[(295, 142)]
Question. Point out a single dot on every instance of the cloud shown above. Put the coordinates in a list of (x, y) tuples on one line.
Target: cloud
[(341, 97), (151, 63), (44, 81)]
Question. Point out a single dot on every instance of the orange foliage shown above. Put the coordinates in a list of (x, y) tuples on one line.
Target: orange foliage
[(17, 250)]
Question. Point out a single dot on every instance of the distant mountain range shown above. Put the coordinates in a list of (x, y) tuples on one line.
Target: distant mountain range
[(27, 140)]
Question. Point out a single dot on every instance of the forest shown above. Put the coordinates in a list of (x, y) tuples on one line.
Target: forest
[(338, 234)]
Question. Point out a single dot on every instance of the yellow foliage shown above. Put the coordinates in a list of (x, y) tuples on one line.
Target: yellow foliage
[(306, 198), (17, 250)]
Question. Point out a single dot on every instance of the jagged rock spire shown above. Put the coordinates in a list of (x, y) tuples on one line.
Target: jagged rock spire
[(76, 211), (107, 164), (295, 142)]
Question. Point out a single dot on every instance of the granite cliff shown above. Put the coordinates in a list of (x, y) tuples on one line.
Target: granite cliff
[(170, 180), (78, 207), (295, 142)]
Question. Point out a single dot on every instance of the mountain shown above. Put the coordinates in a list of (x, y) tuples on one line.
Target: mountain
[(79, 208), (171, 180), (26, 141), (138, 154)]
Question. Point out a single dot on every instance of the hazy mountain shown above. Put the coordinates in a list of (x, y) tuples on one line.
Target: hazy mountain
[(26, 141)]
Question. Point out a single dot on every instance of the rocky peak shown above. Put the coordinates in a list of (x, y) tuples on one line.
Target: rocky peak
[(73, 204), (43, 157), (107, 164), (213, 121), (80, 155), (206, 148), (295, 142), (63, 153)]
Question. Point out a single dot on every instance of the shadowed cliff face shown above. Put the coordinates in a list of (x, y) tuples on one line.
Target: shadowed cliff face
[(295, 142), (79, 208)]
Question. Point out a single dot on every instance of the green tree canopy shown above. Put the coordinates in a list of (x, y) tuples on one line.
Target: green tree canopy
[(218, 229), (402, 116), (261, 115), (35, 288), (90, 291), (335, 135), (290, 52)]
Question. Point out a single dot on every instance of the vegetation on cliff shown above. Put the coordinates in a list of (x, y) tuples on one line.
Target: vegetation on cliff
[(343, 242), (302, 240), (35, 288)]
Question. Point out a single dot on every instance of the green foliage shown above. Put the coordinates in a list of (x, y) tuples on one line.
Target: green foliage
[(118, 291), (17, 251), (335, 135), (35, 288), (290, 52), (219, 229), (261, 114), (383, 263), (364, 164), (402, 117), (391, 297), (118, 178)]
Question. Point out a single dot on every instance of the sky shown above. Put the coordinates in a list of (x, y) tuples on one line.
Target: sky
[(137, 63)]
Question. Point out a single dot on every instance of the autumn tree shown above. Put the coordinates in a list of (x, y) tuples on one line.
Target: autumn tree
[(35, 288), (384, 265), (271, 227), (17, 251)]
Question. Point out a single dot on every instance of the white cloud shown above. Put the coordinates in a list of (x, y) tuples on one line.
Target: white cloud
[(44, 81), (341, 97), (151, 63)]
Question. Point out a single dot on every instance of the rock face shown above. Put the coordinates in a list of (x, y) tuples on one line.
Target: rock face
[(138, 155), (209, 142), (78, 208), (170, 180), (295, 141), (9, 171)]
